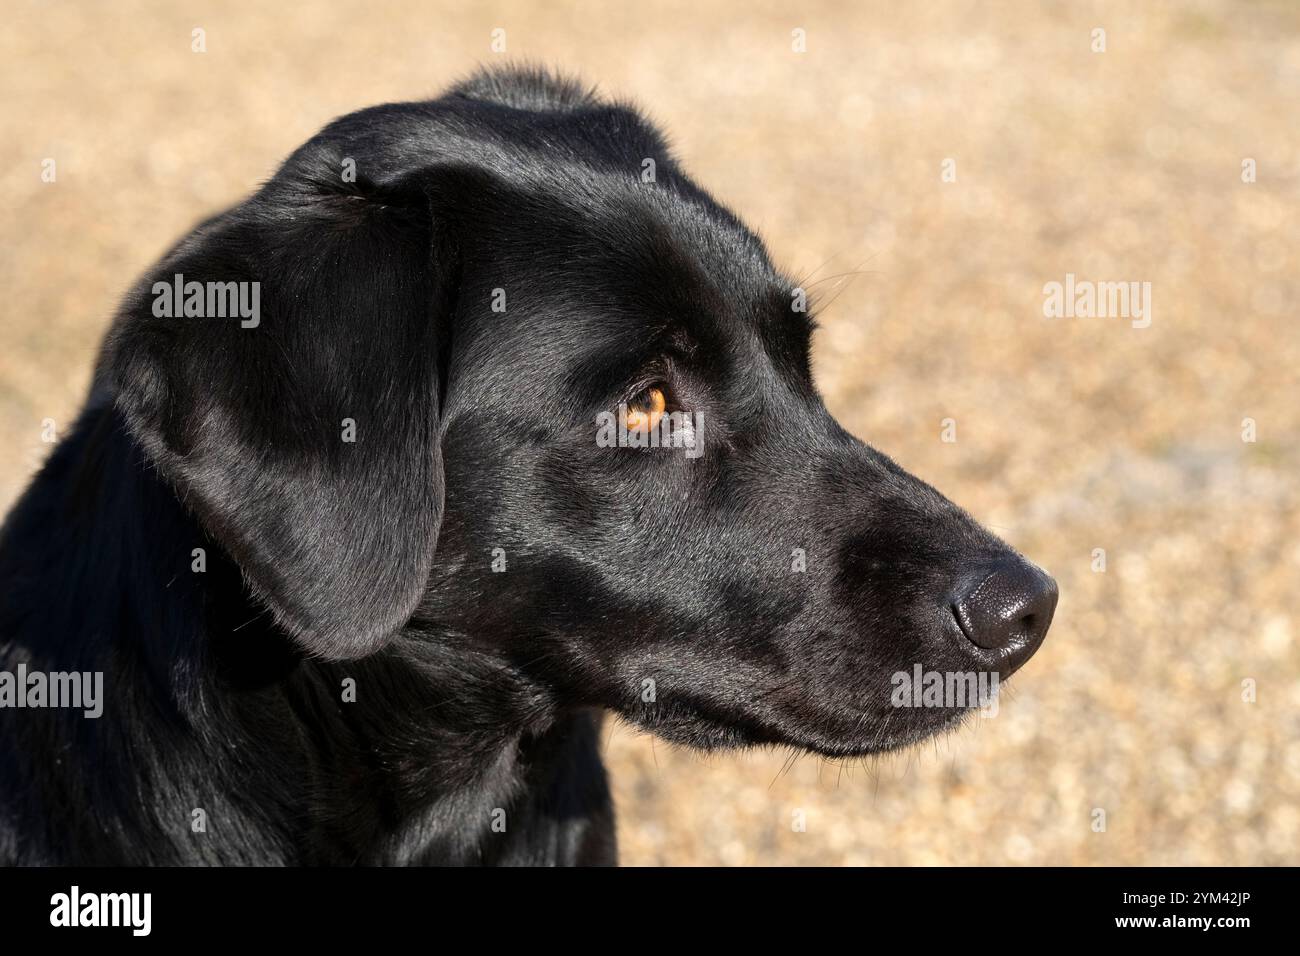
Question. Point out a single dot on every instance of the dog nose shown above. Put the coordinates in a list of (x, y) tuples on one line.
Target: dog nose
[(1009, 608)]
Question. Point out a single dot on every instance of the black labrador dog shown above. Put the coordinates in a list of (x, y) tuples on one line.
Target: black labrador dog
[(479, 419)]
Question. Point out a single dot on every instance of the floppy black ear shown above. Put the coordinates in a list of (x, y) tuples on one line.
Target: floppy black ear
[(297, 410)]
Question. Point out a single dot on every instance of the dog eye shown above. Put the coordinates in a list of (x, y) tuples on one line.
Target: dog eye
[(645, 411)]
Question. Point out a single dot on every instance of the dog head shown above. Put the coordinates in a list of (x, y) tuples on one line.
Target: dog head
[(512, 375)]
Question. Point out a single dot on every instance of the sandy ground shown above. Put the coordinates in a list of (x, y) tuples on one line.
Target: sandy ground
[(1073, 434)]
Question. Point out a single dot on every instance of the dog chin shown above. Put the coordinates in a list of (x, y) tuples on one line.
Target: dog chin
[(879, 738), (701, 732)]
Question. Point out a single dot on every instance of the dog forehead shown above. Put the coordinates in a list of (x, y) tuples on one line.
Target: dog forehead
[(610, 234), (594, 235), (638, 270), (605, 277)]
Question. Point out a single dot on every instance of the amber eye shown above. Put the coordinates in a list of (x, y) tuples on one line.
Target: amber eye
[(644, 414)]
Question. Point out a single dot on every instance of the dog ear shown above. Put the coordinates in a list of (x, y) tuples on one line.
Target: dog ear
[(281, 368)]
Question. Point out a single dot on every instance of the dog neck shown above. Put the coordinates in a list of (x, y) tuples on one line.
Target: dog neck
[(432, 750)]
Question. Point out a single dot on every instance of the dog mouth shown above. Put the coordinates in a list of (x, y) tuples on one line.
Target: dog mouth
[(892, 734), (829, 733)]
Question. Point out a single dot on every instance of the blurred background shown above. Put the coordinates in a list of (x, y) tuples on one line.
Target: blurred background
[(952, 159)]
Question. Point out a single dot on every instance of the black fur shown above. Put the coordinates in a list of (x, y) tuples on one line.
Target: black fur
[(476, 690)]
